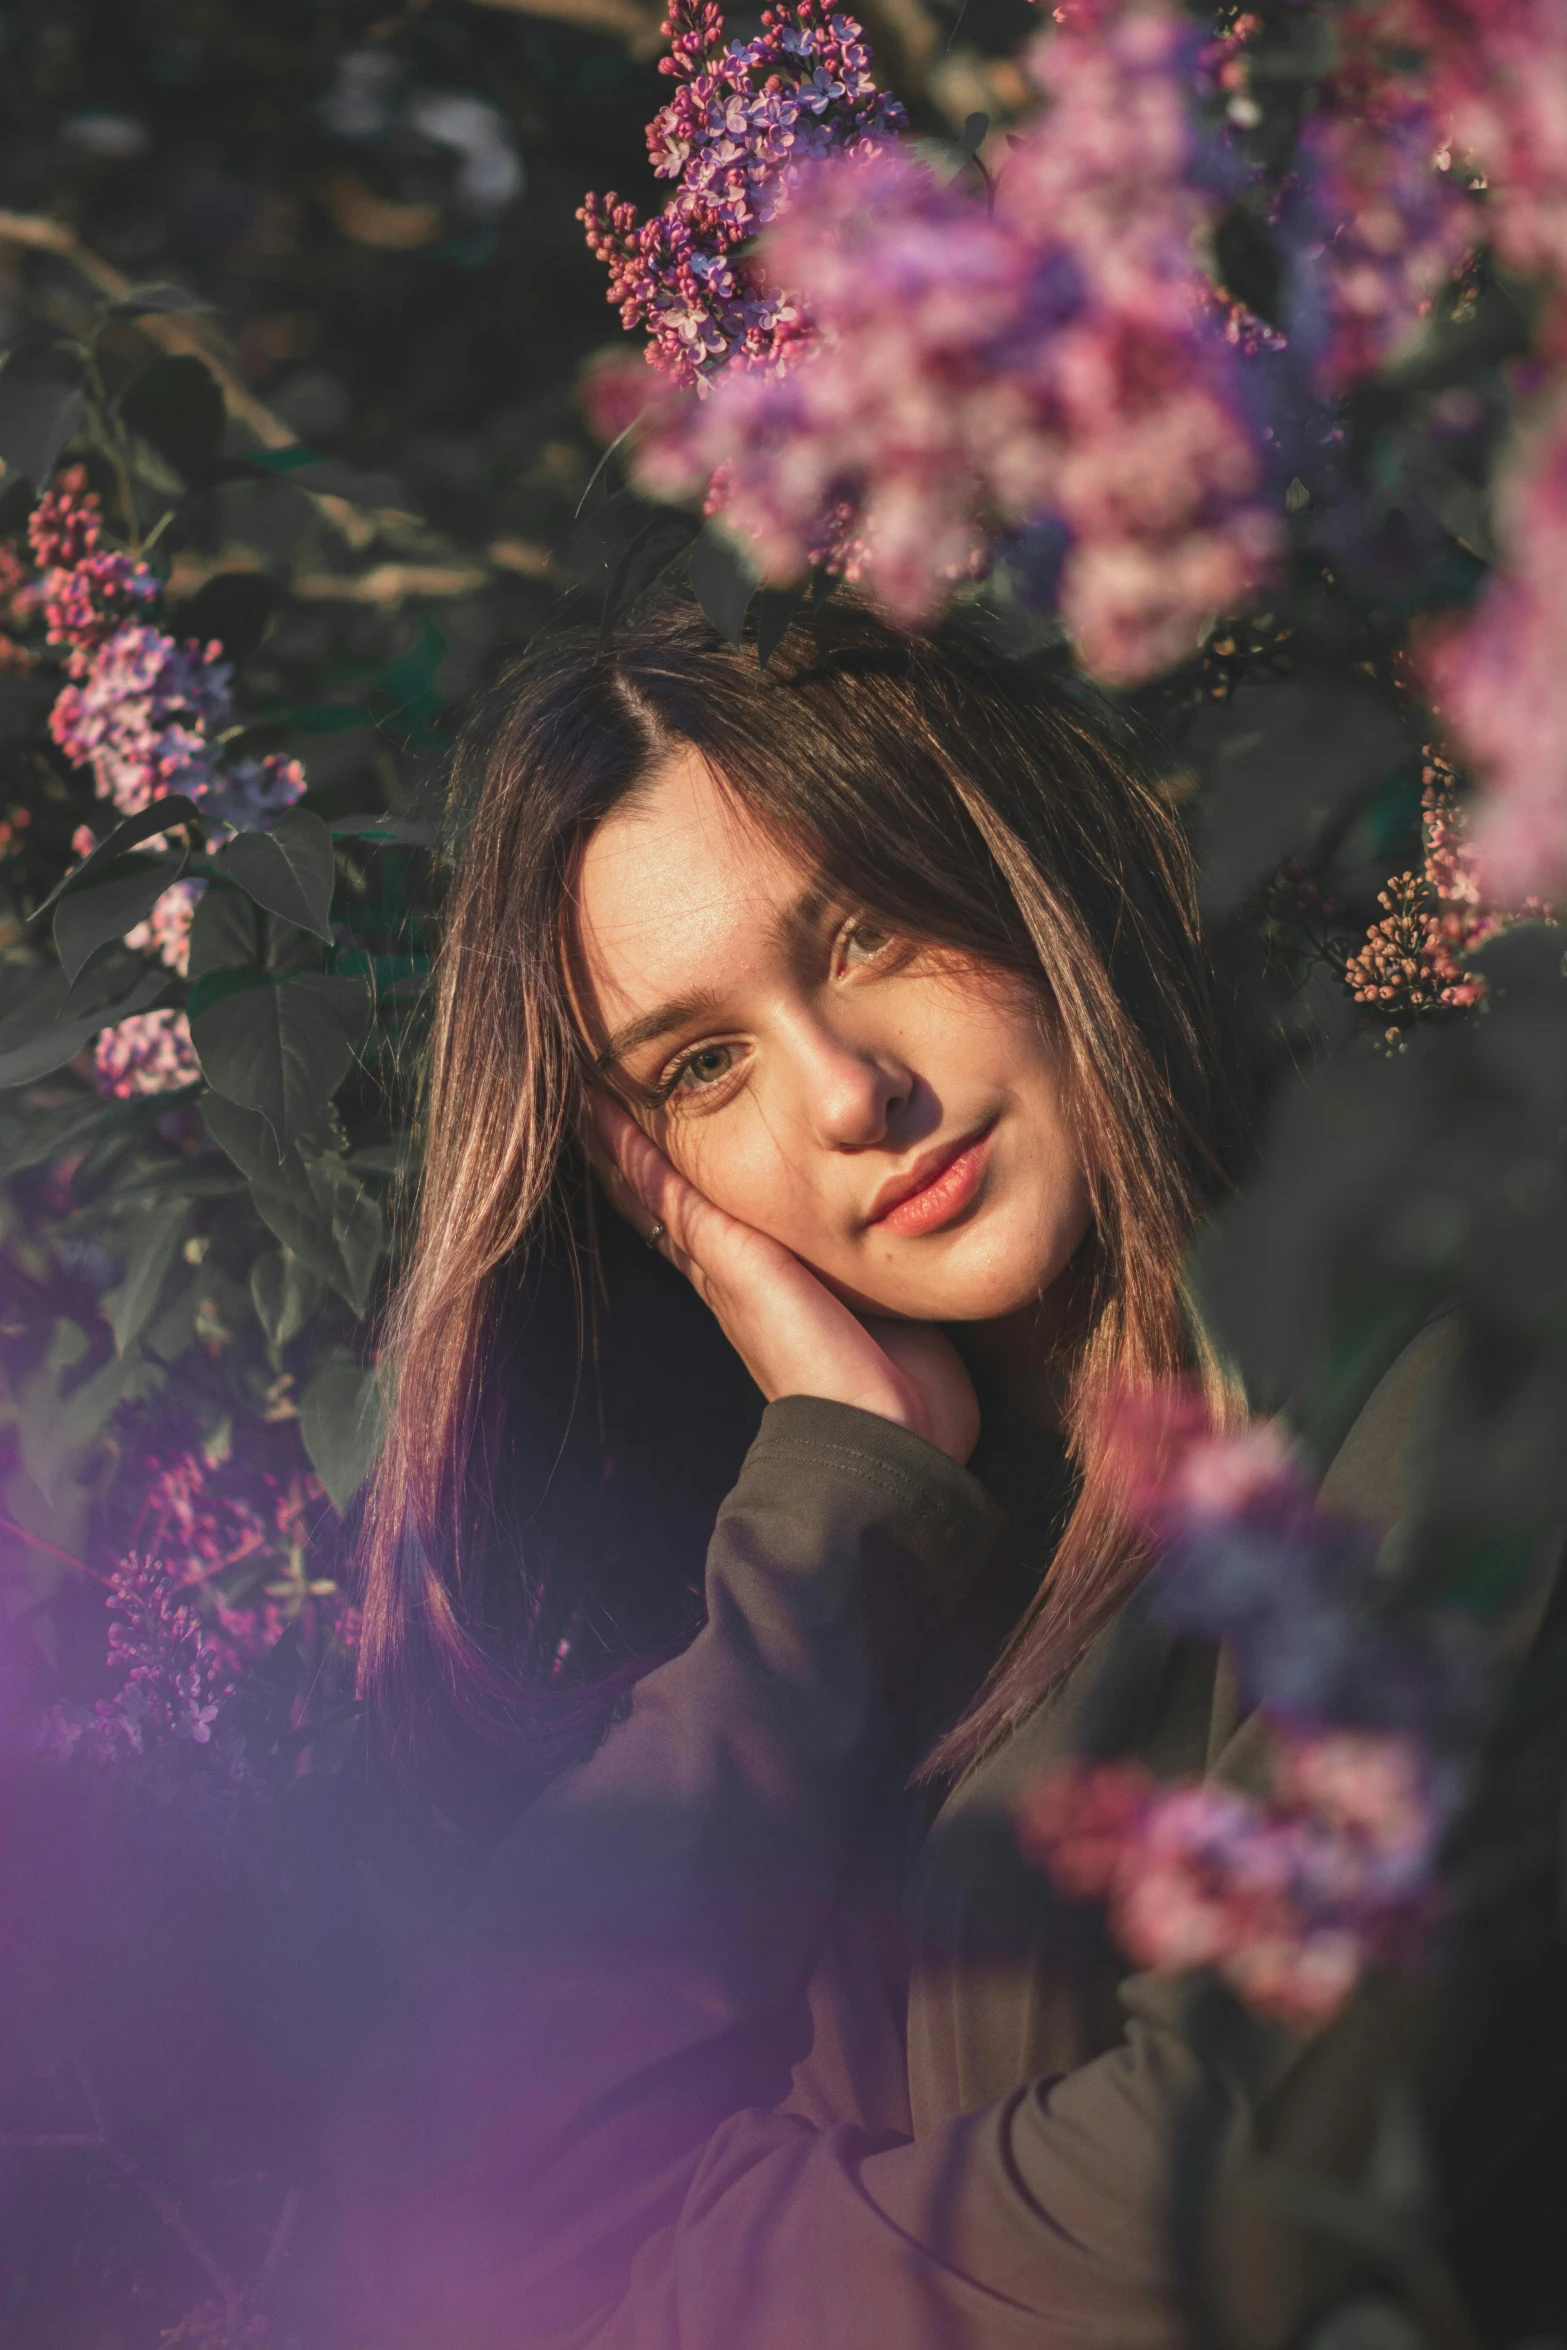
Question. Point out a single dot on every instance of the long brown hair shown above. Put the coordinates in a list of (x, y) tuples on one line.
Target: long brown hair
[(966, 798)]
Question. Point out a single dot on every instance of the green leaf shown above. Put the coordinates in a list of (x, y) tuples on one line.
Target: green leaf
[(282, 1048), (326, 476), (169, 814), (358, 1226), (389, 828), (342, 1420), (286, 1292), (118, 896), (175, 1327), (216, 987), (35, 1137), (225, 932), (723, 583), (297, 1224), (177, 405), (166, 301), (58, 1435), (159, 1232), (249, 1141), (56, 1041), (41, 404), (289, 870)]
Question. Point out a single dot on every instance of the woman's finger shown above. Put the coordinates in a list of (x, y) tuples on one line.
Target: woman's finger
[(664, 1207)]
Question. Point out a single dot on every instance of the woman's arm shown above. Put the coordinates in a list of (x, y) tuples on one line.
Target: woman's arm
[(596, 2158)]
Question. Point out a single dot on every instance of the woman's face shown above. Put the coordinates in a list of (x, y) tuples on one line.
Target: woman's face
[(893, 1114)]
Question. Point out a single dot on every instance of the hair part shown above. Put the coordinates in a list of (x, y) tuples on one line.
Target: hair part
[(964, 797)]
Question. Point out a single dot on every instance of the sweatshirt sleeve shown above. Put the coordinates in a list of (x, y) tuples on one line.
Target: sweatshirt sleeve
[(601, 2162)]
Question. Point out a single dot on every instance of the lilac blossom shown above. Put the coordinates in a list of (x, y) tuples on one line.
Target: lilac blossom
[(150, 1052), (745, 118), (1499, 681), (976, 368), (84, 605), (142, 716), (166, 931), (173, 1685), (212, 1520), (66, 524), (1246, 1555), (1496, 72), (1376, 224), (1288, 1897), (251, 793)]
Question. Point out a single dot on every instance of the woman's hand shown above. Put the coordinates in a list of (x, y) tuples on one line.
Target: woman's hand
[(792, 1334)]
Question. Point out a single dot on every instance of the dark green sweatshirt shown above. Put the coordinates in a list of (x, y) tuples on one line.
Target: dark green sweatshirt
[(755, 2054)]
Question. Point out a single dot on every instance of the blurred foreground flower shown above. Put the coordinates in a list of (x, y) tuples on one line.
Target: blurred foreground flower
[(1376, 224), (1501, 683), (1289, 1898), (1246, 1555), (1054, 356), (1292, 1892), (150, 1052)]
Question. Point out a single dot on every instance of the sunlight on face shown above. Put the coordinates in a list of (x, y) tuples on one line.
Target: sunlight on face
[(892, 1113)]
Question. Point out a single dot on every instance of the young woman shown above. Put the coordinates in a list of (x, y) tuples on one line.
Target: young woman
[(871, 989)]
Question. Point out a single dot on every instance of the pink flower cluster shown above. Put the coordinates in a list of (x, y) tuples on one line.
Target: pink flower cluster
[(1288, 1898), (1497, 74), (143, 714), (140, 709), (1246, 1555), (974, 367), (744, 119), (1500, 680), (1385, 225), (215, 1525), (174, 1681), (150, 1052), (15, 598), (1415, 960), (166, 931)]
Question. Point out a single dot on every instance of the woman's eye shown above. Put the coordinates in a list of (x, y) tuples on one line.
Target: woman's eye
[(864, 943), (704, 1067)]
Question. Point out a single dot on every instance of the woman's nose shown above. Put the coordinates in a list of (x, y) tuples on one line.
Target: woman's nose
[(852, 1091)]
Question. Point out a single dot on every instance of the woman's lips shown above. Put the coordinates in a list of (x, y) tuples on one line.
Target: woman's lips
[(935, 1190)]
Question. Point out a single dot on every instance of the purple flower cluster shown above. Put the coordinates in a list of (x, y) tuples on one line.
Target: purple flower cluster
[(1288, 1898), (166, 931), (251, 793), (1247, 1556), (1289, 1894), (1499, 679), (173, 1682), (150, 1052), (85, 605), (66, 524), (1376, 226), (140, 709), (1054, 357), (213, 1525), (744, 120), (143, 714)]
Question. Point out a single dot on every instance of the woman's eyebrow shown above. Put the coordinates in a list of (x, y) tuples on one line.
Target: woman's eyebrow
[(652, 1025), (795, 925)]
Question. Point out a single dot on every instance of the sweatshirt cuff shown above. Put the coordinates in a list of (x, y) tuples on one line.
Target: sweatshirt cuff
[(934, 1525)]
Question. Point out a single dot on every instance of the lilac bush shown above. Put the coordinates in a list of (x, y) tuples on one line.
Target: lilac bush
[(746, 119)]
